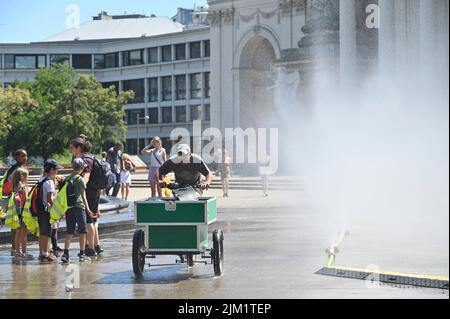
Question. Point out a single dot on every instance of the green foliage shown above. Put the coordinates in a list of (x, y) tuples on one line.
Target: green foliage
[(67, 105)]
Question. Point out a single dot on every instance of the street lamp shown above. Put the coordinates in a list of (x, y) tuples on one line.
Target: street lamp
[(138, 124)]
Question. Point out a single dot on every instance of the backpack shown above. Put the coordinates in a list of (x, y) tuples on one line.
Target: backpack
[(72, 197), (100, 175), (37, 204)]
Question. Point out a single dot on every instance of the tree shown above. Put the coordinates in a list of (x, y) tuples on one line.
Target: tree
[(13, 102), (67, 106)]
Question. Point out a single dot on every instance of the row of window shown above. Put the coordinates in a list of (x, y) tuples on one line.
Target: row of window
[(110, 60), (167, 88), (198, 112)]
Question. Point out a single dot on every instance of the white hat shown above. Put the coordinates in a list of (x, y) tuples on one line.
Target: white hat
[(184, 149)]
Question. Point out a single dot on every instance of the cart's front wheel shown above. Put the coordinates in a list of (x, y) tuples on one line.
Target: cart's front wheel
[(138, 256), (190, 260), (217, 252)]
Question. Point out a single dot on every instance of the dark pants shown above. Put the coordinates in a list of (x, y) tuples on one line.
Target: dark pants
[(76, 216), (93, 198), (45, 229), (115, 188)]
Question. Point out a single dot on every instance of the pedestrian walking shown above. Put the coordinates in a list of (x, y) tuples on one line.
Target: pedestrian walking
[(225, 172), (114, 158)]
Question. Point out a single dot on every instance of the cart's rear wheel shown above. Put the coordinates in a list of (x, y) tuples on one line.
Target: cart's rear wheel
[(217, 252), (138, 256)]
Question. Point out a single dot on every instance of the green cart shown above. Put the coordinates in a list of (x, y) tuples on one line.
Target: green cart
[(179, 228)]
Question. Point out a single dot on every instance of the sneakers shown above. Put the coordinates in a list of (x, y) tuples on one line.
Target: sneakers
[(47, 259), (98, 250), (65, 258), (83, 258), (90, 252)]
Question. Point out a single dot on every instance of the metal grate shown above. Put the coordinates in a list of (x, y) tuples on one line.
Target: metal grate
[(386, 277)]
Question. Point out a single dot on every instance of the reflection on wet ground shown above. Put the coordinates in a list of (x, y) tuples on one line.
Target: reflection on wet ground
[(268, 254)]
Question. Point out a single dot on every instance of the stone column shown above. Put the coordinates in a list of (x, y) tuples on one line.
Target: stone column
[(321, 29), (387, 36), (348, 56)]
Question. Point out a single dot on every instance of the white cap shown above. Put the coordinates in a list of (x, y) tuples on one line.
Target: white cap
[(184, 148)]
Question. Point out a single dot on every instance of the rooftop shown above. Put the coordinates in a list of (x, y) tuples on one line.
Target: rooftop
[(118, 28)]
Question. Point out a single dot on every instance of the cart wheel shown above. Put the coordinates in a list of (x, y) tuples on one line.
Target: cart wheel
[(217, 252), (138, 257), (190, 260)]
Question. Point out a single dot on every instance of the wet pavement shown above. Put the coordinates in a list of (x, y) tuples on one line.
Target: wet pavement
[(270, 252)]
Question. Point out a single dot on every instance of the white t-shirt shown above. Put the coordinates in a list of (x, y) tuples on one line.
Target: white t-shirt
[(47, 187), (158, 154)]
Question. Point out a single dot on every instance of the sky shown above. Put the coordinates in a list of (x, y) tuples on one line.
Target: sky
[(24, 21)]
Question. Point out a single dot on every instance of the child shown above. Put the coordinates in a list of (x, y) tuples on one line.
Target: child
[(76, 215), (56, 250), (47, 196), (125, 176), (20, 193)]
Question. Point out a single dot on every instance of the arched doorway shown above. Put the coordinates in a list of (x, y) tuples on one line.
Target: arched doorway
[(256, 79)]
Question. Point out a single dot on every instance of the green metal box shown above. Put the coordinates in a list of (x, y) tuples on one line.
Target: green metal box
[(173, 226)]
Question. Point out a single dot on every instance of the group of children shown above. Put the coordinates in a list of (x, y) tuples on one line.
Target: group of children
[(15, 191)]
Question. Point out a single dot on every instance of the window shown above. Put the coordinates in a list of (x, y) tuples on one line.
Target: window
[(109, 84), (133, 57), (111, 60), (180, 114), (153, 114), (180, 52), (131, 146), (1, 61), (167, 114), (207, 84), (153, 55), (138, 87), (195, 50), (200, 112), (82, 61), (99, 61), (25, 61), (180, 83), (167, 88), (153, 90), (59, 58), (196, 86), (131, 116), (9, 61), (207, 49), (167, 53), (207, 112)]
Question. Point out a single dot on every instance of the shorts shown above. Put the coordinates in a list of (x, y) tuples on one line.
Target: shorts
[(76, 216), (93, 198), (125, 178), (45, 229), (152, 176)]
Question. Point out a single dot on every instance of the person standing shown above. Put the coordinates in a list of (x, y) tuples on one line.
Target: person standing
[(47, 196), (21, 157), (264, 173), (158, 157), (18, 198), (125, 176), (80, 148), (76, 215), (114, 158), (225, 172)]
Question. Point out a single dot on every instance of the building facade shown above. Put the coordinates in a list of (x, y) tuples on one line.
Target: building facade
[(168, 69)]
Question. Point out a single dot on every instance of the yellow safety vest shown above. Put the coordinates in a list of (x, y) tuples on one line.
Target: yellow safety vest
[(28, 219), (12, 216), (60, 206), (2, 181), (167, 191)]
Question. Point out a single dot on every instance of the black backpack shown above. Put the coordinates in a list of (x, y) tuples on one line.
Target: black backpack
[(71, 195), (100, 174)]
